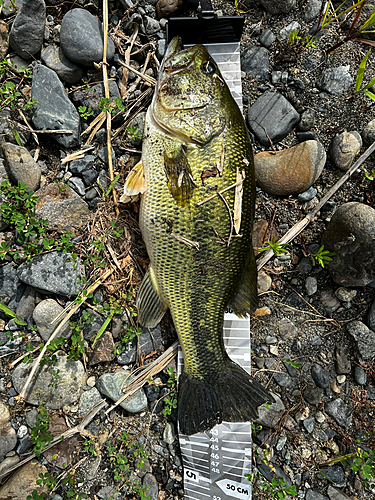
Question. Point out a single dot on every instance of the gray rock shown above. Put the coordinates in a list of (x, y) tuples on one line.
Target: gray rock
[(88, 400), (31, 417), (308, 424), (287, 329), (370, 320), (44, 313), (285, 32), (307, 120), (153, 487), (66, 390), (112, 386), (312, 10), (91, 98), (8, 462), (340, 413), (312, 394), (26, 34), (342, 362), (62, 207), (152, 26), (255, 62), (24, 445), (311, 285), (335, 80), (10, 284), (271, 115), (269, 472), (360, 375), (161, 48), (368, 133), (93, 326), (8, 435), (336, 494), (54, 272), (267, 38), (334, 473), (270, 417), (314, 495), (283, 380), (77, 185), (26, 304), (169, 433), (129, 354), (103, 155), (82, 164), (53, 110), (345, 294), (365, 340), (290, 171), (329, 301), (351, 235), (21, 165), (81, 38), (9, 7), (320, 376), (277, 6), (55, 59), (7, 126), (344, 148)]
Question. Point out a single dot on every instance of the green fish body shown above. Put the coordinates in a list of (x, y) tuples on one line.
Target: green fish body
[(196, 216)]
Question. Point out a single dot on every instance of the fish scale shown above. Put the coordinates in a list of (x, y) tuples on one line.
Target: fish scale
[(198, 264)]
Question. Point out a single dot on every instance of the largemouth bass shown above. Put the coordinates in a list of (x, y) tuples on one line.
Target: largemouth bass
[(197, 182)]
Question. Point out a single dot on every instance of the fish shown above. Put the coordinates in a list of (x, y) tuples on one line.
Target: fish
[(197, 186)]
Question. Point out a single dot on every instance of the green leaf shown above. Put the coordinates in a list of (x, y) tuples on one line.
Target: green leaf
[(361, 70), (19, 321), (17, 137), (7, 311), (104, 326), (112, 184), (369, 94)]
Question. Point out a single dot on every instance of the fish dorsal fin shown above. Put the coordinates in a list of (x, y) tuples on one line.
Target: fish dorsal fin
[(151, 307), (135, 182), (245, 299), (178, 172)]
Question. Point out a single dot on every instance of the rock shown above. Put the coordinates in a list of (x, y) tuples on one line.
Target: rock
[(4, 39), (9, 462), (287, 329), (55, 59), (153, 488), (269, 471), (329, 301), (314, 495), (342, 362), (152, 25), (320, 376), (336, 494), (360, 375), (31, 417), (307, 120), (340, 413), (255, 62), (77, 167), (23, 481), (271, 117), (21, 166), (264, 282), (92, 98), (26, 304), (351, 234), (277, 6), (81, 38), (7, 125), (308, 424), (283, 380), (345, 295), (307, 195), (335, 80), (312, 394), (365, 340), (8, 435), (138, 123), (26, 34), (44, 313), (169, 434), (164, 8), (344, 148), (103, 350), (62, 207), (112, 386), (77, 185), (88, 400), (368, 133), (290, 171), (271, 416), (63, 450), (370, 320), (10, 284), (66, 390), (54, 272), (311, 285), (312, 10), (53, 110), (267, 38), (285, 32), (103, 155), (129, 354), (95, 324), (334, 473)]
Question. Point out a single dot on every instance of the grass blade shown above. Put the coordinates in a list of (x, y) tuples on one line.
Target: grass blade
[(361, 70)]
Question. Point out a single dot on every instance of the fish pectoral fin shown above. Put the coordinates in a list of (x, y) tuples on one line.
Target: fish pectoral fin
[(245, 299), (178, 172), (151, 307), (135, 182)]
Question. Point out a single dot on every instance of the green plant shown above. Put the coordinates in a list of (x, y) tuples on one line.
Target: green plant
[(77, 346), (138, 450), (358, 82), (90, 447), (12, 314), (108, 106), (294, 364), (277, 488), (133, 132), (40, 435), (321, 256), (85, 112), (276, 247), (11, 96), (293, 35), (369, 176), (71, 482), (171, 399)]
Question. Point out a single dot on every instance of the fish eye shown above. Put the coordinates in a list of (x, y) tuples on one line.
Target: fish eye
[(208, 68)]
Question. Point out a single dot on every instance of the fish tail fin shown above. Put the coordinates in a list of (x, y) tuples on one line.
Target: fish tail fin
[(231, 396)]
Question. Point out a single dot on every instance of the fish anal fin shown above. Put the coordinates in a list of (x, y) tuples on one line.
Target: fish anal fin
[(135, 182), (151, 307), (245, 298), (179, 177)]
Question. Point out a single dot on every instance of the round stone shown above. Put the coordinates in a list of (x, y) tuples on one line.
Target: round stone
[(344, 148)]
